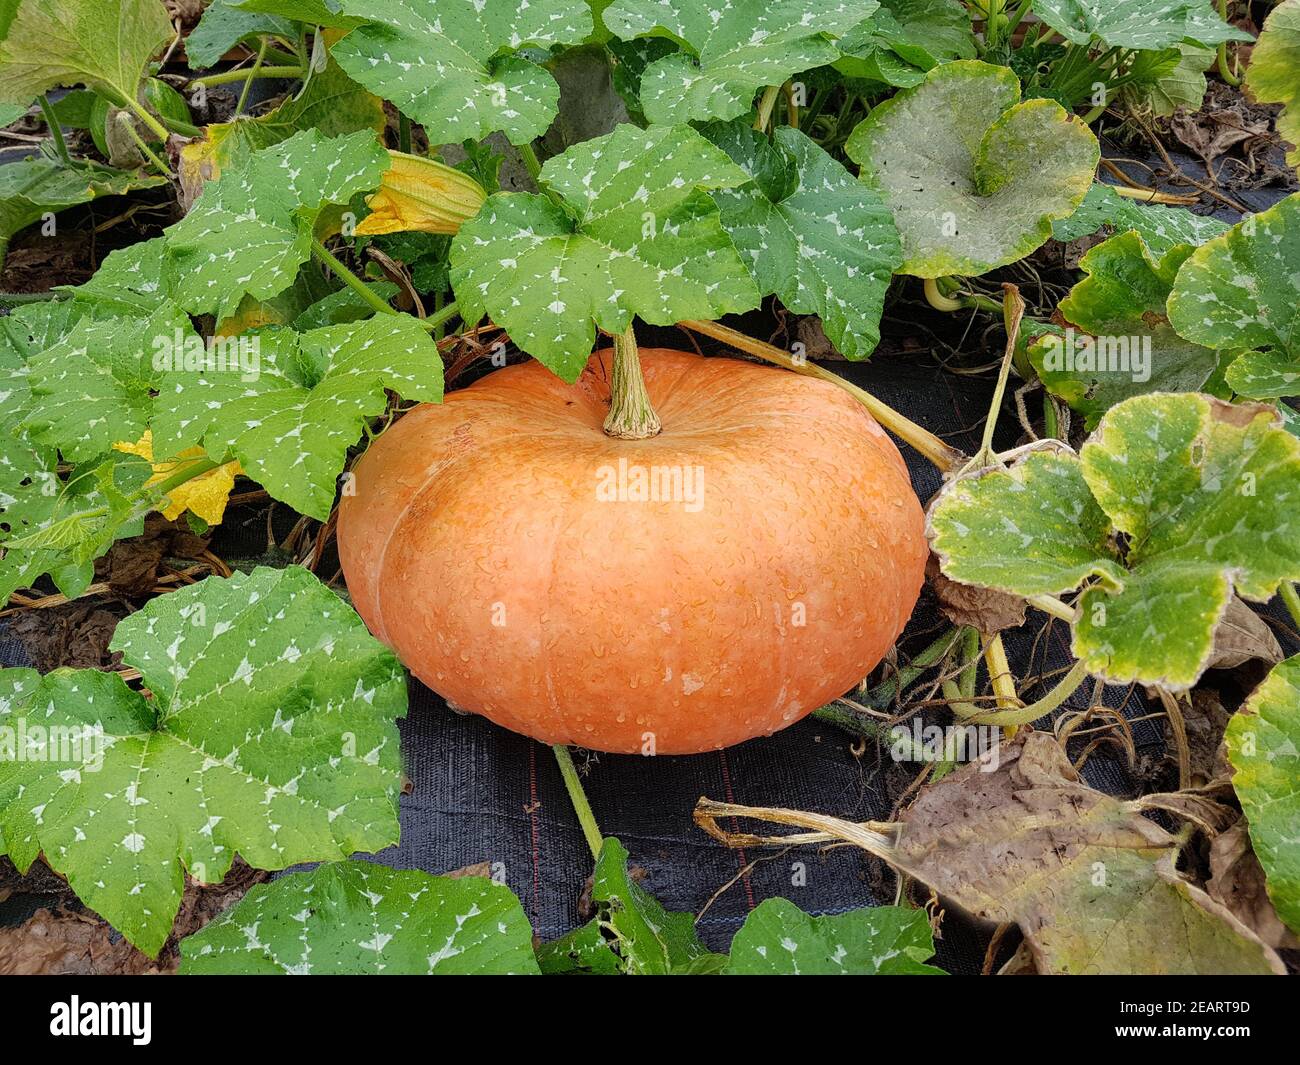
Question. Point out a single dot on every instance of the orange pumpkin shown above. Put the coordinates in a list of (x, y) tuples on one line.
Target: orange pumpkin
[(669, 595)]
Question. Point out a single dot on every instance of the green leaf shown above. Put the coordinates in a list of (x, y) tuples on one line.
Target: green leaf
[(57, 526), (733, 49), (1237, 292), (11, 113), (34, 187), (343, 306), (1161, 227), (251, 230), (1271, 76), (104, 45), (1199, 489), (1124, 345), (454, 70), (224, 25), (269, 732), (974, 177), (357, 919), (93, 388), (289, 405), (1263, 741), (906, 38), (779, 939), (1165, 81), (632, 933), (809, 232), (1137, 24), (643, 237)]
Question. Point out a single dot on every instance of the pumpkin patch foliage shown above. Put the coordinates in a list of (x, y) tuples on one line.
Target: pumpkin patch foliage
[(366, 284)]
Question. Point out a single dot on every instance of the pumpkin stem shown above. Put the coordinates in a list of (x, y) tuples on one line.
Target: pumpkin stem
[(631, 417)]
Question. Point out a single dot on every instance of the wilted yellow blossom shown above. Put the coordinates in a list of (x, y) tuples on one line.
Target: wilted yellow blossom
[(206, 495), (421, 194)]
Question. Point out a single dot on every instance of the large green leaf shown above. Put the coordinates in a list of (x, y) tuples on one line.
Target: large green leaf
[(268, 731), (251, 230), (974, 177), (1167, 80), (34, 187), (102, 44), (94, 387), (451, 64), (809, 232), (632, 933), (1238, 293), (1137, 24), (358, 918), (1263, 740), (641, 236), (223, 25), (291, 404), (131, 282), (1122, 344), (1161, 227), (779, 939), (1200, 490), (733, 48), (1271, 76)]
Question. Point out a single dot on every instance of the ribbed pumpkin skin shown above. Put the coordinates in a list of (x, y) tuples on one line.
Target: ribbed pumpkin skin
[(476, 546)]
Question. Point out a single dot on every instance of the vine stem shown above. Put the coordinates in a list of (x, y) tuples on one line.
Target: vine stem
[(1002, 679), (1027, 715), (227, 77), (944, 456), (765, 105), (1227, 75), (56, 131), (248, 82), (1049, 604), (369, 296), (935, 298), (126, 123), (631, 415), (1013, 312), (578, 797), (1291, 599)]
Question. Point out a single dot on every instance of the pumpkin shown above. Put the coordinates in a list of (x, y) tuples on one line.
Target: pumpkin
[(670, 595)]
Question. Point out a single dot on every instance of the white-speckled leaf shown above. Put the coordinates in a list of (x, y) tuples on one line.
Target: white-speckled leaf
[(974, 176), (1161, 227), (361, 919), (1205, 494), (102, 44), (93, 388), (451, 64), (1139, 24), (644, 238), (735, 48), (223, 25), (779, 939), (269, 733), (1272, 75), (131, 281), (292, 419), (826, 246), (1121, 343), (1033, 529), (1238, 292), (1263, 741), (251, 230)]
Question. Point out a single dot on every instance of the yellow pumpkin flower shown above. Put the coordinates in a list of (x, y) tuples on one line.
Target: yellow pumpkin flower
[(421, 194), (206, 495)]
